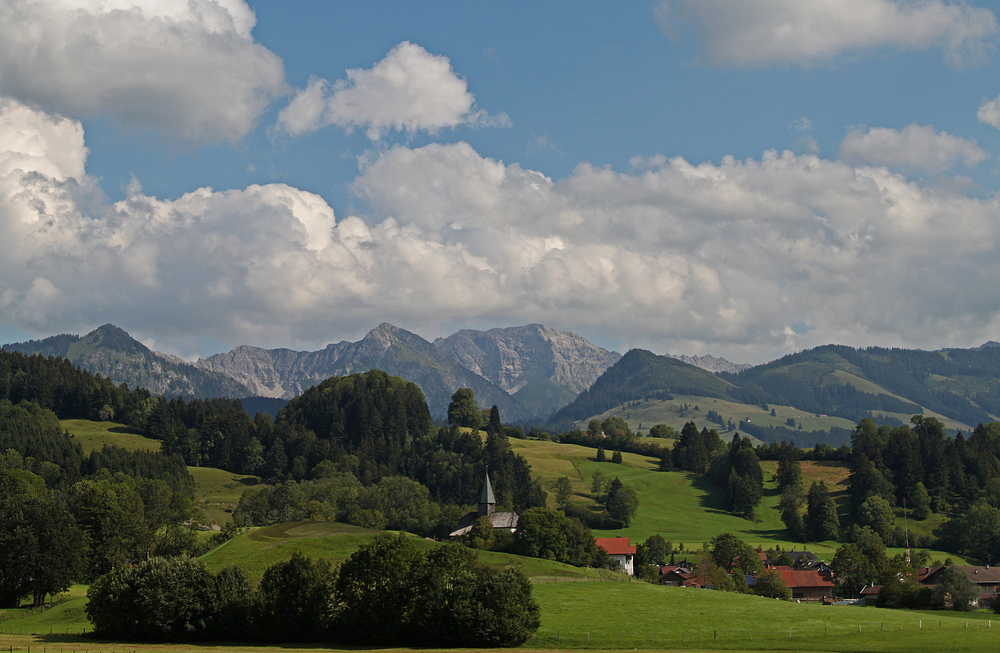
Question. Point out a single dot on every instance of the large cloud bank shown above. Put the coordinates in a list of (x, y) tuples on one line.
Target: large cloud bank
[(188, 68), (798, 32), (754, 256)]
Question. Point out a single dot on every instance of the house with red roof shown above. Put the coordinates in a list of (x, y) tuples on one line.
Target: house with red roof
[(807, 584), (619, 549)]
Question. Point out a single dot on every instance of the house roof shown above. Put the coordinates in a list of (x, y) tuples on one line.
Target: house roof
[(978, 575), (674, 569), (498, 520), (615, 545), (798, 578)]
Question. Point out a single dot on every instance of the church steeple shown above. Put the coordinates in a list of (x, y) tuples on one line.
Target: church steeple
[(487, 502)]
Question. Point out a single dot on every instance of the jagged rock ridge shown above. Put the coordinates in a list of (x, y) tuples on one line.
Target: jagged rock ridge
[(286, 373), (712, 363), (111, 352), (541, 367)]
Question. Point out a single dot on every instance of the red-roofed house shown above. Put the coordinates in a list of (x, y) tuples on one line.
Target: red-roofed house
[(807, 584), (619, 549)]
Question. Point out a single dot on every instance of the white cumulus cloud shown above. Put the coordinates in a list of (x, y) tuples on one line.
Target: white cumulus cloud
[(989, 112), (915, 146), (189, 68), (802, 32), (728, 257), (409, 90)]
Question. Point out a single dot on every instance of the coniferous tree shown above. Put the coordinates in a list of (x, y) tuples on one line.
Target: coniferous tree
[(821, 522)]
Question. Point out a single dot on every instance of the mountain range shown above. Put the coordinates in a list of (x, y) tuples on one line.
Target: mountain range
[(527, 371), (534, 374)]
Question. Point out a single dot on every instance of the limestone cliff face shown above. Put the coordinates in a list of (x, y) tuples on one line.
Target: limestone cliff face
[(541, 367), (712, 363), (285, 373), (279, 373)]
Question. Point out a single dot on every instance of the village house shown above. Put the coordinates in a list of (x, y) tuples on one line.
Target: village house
[(487, 508), (675, 576), (986, 578), (619, 550), (806, 584)]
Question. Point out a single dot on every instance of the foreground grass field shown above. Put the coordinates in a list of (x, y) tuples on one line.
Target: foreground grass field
[(616, 616)]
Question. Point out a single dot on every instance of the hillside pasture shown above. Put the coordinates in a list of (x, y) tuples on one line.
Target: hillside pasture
[(93, 436), (688, 509), (646, 413), (218, 492)]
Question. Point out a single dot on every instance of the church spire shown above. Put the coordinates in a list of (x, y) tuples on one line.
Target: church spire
[(487, 502)]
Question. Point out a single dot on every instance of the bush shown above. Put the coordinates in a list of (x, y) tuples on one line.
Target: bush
[(770, 584), (293, 600), (161, 599), (389, 594)]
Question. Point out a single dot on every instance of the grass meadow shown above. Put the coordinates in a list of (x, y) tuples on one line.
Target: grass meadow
[(601, 615), (94, 435), (688, 509)]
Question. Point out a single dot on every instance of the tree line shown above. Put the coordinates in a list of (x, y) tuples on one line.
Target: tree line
[(387, 593)]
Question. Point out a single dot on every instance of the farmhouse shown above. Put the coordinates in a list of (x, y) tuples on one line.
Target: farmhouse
[(675, 576), (620, 551), (487, 508), (807, 584), (986, 578)]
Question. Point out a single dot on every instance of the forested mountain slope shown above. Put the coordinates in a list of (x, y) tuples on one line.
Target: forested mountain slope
[(641, 374), (962, 384)]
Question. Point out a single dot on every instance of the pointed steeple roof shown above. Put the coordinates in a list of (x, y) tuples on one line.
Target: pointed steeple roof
[(486, 494)]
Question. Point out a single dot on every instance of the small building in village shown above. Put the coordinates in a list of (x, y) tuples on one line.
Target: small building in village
[(807, 584), (620, 551), (487, 508)]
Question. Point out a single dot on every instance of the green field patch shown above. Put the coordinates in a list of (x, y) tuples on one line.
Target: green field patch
[(647, 413), (638, 615), (93, 436), (218, 492)]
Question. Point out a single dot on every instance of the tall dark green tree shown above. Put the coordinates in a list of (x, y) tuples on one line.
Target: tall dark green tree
[(790, 504), (41, 546), (463, 411), (373, 589), (744, 480), (690, 453), (821, 521), (161, 599), (621, 502), (733, 554), (294, 596)]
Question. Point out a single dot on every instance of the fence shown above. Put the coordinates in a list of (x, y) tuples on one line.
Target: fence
[(766, 635)]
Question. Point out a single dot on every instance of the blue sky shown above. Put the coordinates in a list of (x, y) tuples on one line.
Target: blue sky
[(689, 176)]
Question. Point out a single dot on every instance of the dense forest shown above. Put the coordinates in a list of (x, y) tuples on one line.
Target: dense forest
[(361, 449)]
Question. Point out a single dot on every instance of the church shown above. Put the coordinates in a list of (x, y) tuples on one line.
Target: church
[(487, 508)]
